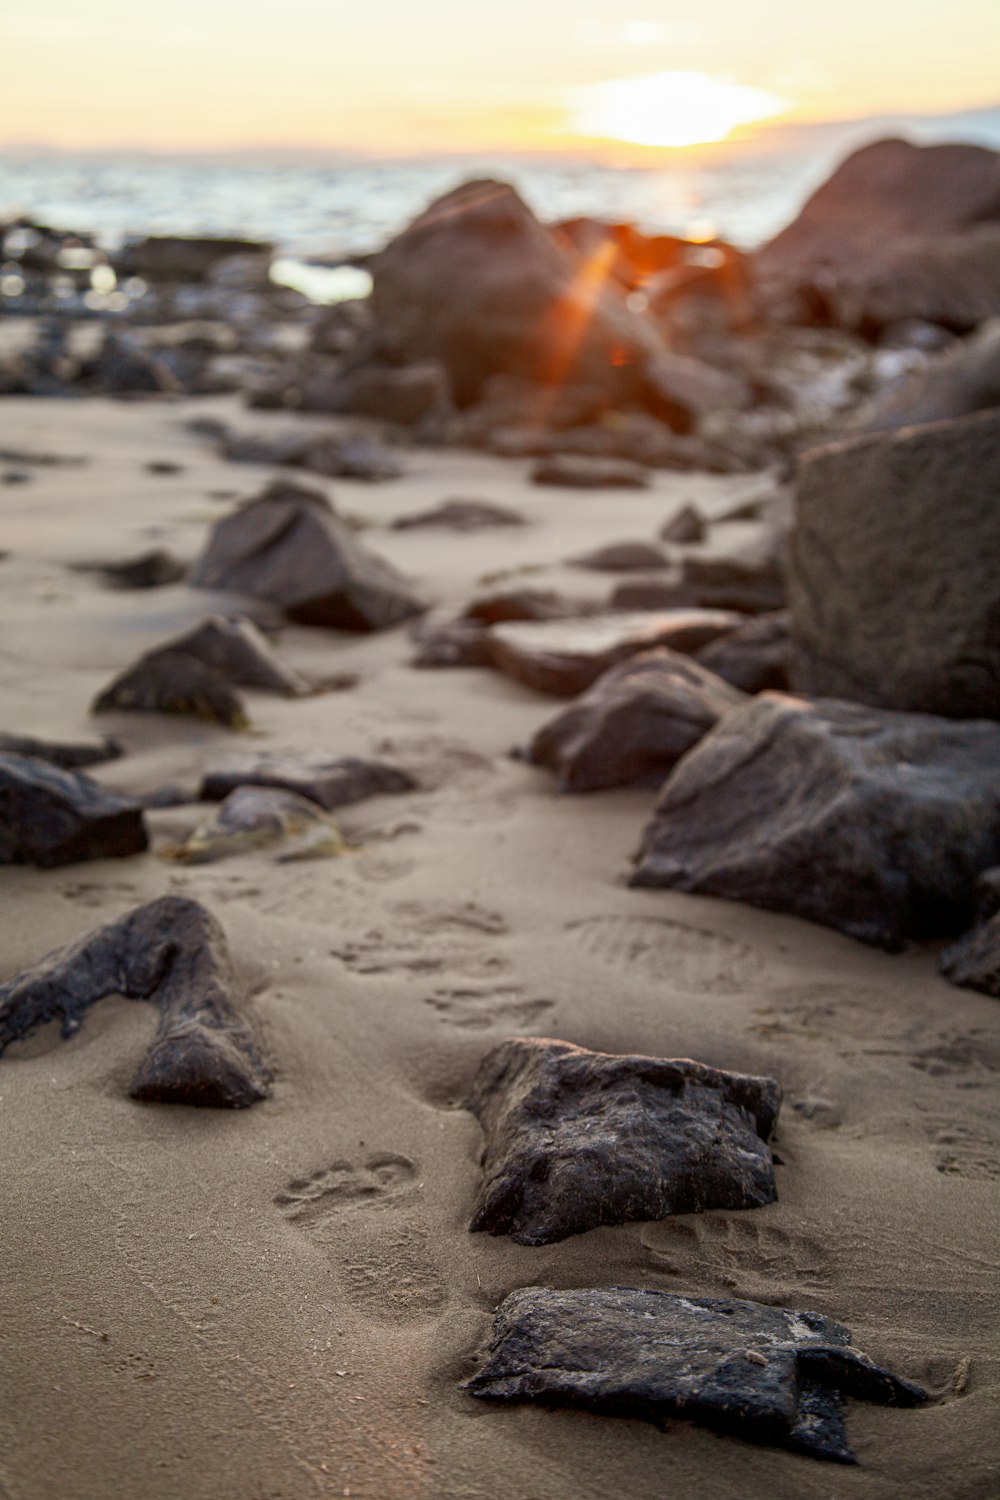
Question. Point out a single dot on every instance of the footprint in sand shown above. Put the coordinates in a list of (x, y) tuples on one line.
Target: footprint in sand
[(961, 1152), (968, 1058), (692, 958), (426, 938), (736, 1250), (364, 1215), (500, 1009)]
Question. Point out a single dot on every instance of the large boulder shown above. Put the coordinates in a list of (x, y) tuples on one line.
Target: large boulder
[(51, 817), (871, 822), (289, 547), (964, 379), (479, 284), (893, 580), (899, 231)]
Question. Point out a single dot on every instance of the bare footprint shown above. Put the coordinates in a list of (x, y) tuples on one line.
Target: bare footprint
[(503, 1008), (693, 958), (364, 1215), (738, 1250)]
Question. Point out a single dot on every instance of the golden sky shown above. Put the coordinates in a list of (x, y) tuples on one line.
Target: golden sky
[(397, 77)]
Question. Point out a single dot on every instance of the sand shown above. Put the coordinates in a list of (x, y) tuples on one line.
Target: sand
[(282, 1302)]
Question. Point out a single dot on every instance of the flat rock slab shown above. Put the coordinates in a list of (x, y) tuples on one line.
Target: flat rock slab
[(575, 1139), (874, 823), (894, 585), (461, 515), (172, 952), (762, 1373), (287, 546), (634, 723), (68, 755), (329, 781), (51, 817), (259, 817), (623, 557), (569, 471), (564, 657)]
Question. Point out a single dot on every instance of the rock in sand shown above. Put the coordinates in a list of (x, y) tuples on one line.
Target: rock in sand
[(51, 817)]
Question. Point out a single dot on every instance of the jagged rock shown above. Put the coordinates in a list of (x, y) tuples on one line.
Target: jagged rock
[(256, 817), (755, 657), (575, 1139), (149, 570), (510, 301), (634, 724), (563, 657), (404, 396), (623, 557), (67, 756), (289, 547), (763, 1373), (329, 781), (893, 583), (899, 231), (172, 952), (964, 379), (240, 652), (52, 817), (680, 389), (171, 682), (873, 823), (584, 473), (461, 515), (688, 525)]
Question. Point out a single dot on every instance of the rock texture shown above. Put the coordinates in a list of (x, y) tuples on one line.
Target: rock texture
[(330, 781), (257, 817), (963, 380), (634, 724), (894, 585), (171, 682), (564, 657), (973, 962), (50, 817), (575, 1139), (68, 756), (874, 823), (762, 1373), (289, 547), (754, 657), (172, 952)]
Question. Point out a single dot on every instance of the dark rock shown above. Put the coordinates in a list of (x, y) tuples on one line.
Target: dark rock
[(52, 817), (753, 585), (973, 962), (125, 367), (522, 604), (172, 952), (183, 257), (894, 587), (657, 591), (576, 1139), (68, 757), (965, 379), (582, 473), (634, 724), (163, 466), (680, 389), (762, 1373), (988, 895), (623, 557), (15, 476), (451, 643), (478, 284), (873, 823), (289, 547), (461, 515), (563, 657), (688, 525), (149, 570), (404, 396), (335, 455), (171, 682), (755, 657), (241, 653), (327, 780)]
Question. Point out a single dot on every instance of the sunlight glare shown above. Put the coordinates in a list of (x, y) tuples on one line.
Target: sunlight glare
[(671, 109)]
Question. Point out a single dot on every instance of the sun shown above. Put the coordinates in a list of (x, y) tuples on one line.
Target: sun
[(671, 109)]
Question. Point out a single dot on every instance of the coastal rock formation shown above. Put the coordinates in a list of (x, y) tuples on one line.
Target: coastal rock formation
[(67, 756), (634, 724), (256, 817), (679, 389), (172, 258), (763, 1373), (288, 546), (754, 657), (172, 952), (962, 380), (404, 396), (874, 823), (50, 817), (564, 657), (575, 1139), (893, 582), (330, 781)]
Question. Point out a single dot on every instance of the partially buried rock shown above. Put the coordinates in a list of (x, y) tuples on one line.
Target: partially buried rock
[(174, 953), (753, 585), (575, 1139), (327, 780), (149, 570), (634, 724), (336, 455), (51, 817), (171, 682), (578, 473), (688, 525), (461, 515), (755, 657), (870, 822), (623, 557), (564, 657), (463, 640), (973, 962), (255, 817), (68, 756), (239, 651), (763, 1373), (289, 547)]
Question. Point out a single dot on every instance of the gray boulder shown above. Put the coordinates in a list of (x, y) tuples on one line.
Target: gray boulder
[(330, 781), (873, 823), (51, 817), (965, 379), (753, 658)]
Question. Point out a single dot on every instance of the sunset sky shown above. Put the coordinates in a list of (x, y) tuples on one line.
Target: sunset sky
[(396, 77)]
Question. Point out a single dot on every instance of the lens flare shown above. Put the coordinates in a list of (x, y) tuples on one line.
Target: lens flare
[(671, 109)]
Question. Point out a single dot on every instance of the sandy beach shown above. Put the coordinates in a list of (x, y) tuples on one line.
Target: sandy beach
[(282, 1302)]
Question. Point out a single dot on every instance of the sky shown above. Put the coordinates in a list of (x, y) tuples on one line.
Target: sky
[(399, 77)]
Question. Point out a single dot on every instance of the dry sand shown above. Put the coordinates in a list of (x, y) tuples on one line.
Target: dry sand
[(168, 1329)]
